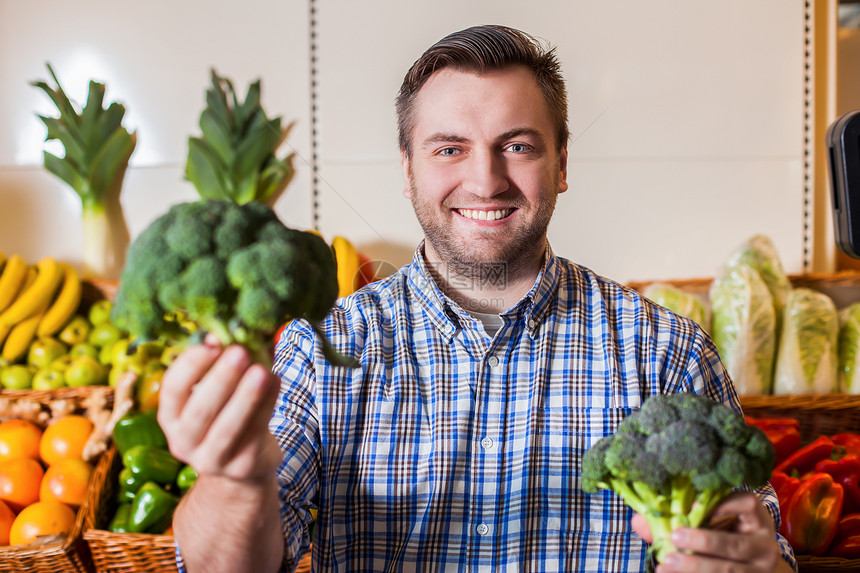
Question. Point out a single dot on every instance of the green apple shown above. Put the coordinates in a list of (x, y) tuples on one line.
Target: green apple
[(119, 351), (169, 355), (48, 379), (44, 350), (76, 331), (60, 364), (84, 349), (100, 312), (17, 377), (103, 334), (86, 371)]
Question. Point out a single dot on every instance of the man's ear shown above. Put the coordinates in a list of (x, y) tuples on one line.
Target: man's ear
[(407, 171), (562, 165)]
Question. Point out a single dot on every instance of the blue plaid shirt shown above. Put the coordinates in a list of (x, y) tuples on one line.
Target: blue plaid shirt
[(451, 450)]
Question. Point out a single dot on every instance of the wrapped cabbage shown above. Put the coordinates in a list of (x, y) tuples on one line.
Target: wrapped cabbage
[(760, 253), (743, 327), (679, 301), (849, 348), (807, 358)]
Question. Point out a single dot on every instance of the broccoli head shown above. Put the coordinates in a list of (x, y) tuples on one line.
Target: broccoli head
[(232, 270), (675, 460)]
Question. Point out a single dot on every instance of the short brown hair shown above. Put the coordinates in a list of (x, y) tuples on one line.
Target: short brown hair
[(478, 49)]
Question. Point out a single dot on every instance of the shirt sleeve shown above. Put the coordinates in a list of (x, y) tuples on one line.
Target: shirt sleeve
[(295, 425)]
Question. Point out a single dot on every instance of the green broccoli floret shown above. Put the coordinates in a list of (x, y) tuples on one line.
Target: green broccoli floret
[(233, 270), (675, 460)]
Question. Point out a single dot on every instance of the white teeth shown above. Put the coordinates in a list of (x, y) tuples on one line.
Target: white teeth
[(485, 215)]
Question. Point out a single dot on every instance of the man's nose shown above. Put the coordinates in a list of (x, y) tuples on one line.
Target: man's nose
[(485, 175)]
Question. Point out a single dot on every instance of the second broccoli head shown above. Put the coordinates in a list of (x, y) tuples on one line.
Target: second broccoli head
[(233, 270), (676, 459)]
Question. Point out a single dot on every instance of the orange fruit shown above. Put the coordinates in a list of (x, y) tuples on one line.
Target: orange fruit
[(65, 438), (41, 518), (7, 516), (19, 439), (66, 481), (19, 482)]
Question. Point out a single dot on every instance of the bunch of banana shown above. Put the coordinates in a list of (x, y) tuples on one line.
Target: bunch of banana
[(35, 300)]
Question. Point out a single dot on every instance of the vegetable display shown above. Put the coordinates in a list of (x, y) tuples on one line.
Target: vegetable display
[(97, 150), (233, 270), (675, 460)]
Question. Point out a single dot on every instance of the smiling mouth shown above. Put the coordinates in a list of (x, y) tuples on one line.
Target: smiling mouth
[(479, 215)]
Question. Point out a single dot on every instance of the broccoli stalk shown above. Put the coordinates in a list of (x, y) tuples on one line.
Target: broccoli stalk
[(233, 270), (97, 150), (675, 460)]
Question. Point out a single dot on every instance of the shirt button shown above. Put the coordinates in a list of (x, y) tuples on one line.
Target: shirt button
[(483, 529), (532, 323), (487, 443), (493, 361)]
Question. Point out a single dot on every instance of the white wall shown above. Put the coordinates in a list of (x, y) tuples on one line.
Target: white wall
[(687, 117)]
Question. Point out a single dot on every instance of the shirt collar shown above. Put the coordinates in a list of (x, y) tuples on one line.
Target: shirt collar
[(448, 316)]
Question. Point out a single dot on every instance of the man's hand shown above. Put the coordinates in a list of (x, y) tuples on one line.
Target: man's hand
[(214, 408), (750, 546)]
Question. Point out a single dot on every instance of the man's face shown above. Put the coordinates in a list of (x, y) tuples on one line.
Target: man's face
[(485, 169)]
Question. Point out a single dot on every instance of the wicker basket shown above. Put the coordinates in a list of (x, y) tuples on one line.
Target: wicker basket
[(72, 553), (128, 552)]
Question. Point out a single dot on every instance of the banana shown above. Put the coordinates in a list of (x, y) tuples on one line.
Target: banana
[(12, 279), (48, 277), (348, 263), (22, 334), (65, 304), (2, 259)]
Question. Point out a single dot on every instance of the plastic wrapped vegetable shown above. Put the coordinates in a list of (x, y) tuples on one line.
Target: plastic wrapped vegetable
[(679, 301), (849, 347), (759, 253), (807, 358), (743, 326)]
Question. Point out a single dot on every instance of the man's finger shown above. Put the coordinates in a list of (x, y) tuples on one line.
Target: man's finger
[(180, 377), (211, 394)]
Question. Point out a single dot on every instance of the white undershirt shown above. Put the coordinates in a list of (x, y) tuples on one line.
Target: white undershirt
[(492, 322)]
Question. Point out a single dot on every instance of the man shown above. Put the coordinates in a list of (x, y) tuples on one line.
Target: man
[(488, 367)]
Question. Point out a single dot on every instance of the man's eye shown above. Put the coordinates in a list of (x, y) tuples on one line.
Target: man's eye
[(518, 147), (449, 151)]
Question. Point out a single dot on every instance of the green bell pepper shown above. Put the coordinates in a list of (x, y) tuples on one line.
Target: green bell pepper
[(138, 428), (152, 509), (129, 484), (119, 523), (186, 478), (149, 463)]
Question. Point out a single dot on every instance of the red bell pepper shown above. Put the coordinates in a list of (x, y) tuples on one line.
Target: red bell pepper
[(785, 487), (783, 433), (851, 442), (846, 542), (851, 487), (804, 459), (846, 466), (813, 514)]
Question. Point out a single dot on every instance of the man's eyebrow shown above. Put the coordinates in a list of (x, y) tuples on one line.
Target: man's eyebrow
[(519, 131), (441, 137)]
